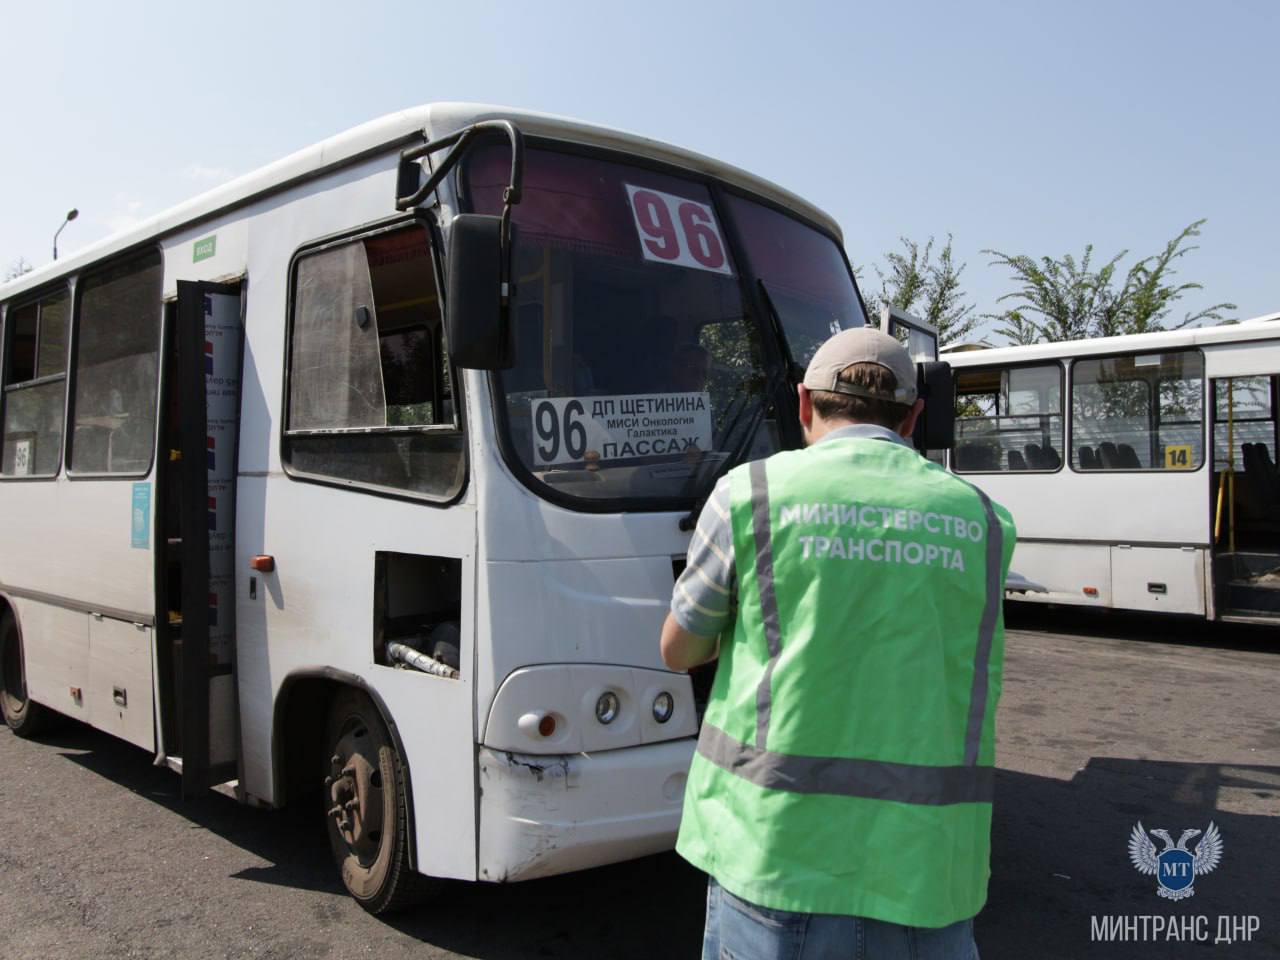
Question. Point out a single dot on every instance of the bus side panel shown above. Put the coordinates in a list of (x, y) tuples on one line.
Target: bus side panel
[(1162, 579), (91, 549), (89, 545), (1108, 507), (315, 612), (1066, 570), (56, 653), (120, 680)]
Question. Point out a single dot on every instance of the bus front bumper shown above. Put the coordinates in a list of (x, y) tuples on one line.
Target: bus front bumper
[(549, 814)]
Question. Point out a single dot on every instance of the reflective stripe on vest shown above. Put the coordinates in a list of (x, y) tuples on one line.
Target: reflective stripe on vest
[(842, 776)]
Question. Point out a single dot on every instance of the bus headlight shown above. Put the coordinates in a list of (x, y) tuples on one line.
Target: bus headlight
[(607, 707), (663, 706)]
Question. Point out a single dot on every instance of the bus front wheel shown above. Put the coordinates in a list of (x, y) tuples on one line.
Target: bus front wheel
[(366, 796), (25, 718)]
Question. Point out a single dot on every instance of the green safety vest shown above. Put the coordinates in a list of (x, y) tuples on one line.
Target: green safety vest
[(847, 755)]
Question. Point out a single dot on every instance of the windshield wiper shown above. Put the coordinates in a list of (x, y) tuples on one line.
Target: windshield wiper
[(794, 372), (757, 412), (784, 386)]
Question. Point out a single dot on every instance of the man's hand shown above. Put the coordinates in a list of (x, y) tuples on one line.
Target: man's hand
[(682, 649)]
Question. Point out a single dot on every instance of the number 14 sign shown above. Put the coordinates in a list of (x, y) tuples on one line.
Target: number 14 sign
[(678, 231)]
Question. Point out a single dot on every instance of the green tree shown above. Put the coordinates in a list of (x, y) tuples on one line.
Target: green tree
[(1017, 329), (1058, 299), (1149, 294), (1066, 299), (927, 287)]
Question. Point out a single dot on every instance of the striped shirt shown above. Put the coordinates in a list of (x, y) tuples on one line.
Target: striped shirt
[(705, 596)]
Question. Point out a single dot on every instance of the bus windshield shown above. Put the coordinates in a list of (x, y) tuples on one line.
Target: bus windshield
[(639, 367)]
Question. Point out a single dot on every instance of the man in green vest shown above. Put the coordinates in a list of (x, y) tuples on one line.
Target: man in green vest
[(840, 796)]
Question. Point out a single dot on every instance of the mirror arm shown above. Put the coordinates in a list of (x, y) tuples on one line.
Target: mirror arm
[(458, 143), (460, 140)]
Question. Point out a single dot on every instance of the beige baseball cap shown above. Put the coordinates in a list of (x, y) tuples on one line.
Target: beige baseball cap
[(862, 345)]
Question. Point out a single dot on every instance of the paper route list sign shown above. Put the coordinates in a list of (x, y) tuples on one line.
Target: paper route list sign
[(627, 427)]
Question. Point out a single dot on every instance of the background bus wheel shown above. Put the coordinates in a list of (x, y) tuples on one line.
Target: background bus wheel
[(368, 812), (24, 718)]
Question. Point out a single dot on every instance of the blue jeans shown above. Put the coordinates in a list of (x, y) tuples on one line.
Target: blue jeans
[(738, 930)]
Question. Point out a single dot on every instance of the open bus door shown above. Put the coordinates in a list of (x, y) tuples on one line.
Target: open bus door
[(1246, 497), (195, 569)]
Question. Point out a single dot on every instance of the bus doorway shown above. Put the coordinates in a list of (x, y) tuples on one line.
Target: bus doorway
[(195, 555), (1246, 498)]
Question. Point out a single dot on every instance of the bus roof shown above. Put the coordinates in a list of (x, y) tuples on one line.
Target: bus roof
[(1266, 327), (394, 131)]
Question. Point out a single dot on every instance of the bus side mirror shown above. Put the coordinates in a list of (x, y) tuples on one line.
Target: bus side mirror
[(936, 427), (478, 317)]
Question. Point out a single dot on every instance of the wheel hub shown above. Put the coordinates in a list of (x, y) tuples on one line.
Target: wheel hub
[(355, 795)]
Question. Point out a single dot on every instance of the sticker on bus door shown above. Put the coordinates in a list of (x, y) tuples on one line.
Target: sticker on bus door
[(572, 430), (677, 231)]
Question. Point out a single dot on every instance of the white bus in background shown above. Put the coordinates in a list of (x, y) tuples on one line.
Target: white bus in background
[(1141, 469), (286, 507)]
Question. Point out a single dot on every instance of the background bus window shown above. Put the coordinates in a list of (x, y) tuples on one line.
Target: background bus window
[(116, 368), (1252, 407), (1008, 419), (371, 396), (35, 382), (1141, 412)]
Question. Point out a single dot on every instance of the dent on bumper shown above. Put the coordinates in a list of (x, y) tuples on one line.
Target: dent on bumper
[(543, 815)]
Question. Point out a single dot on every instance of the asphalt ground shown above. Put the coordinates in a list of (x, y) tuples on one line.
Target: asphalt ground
[(1105, 721)]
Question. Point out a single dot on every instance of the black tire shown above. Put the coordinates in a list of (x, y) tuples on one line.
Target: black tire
[(367, 803), (23, 716)]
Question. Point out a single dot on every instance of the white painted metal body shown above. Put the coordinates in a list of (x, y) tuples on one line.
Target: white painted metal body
[(556, 604), (1116, 532)]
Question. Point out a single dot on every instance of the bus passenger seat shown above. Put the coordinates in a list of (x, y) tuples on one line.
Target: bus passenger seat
[(1016, 461), (1128, 458), (1109, 455), (1088, 459), (1052, 459), (1256, 490), (975, 456), (1264, 457), (1035, 458)]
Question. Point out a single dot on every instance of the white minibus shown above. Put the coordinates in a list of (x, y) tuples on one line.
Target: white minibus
[(1141, 470), (369, 473)]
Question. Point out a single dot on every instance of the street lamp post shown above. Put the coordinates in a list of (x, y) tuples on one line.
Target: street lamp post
[(71, 215)]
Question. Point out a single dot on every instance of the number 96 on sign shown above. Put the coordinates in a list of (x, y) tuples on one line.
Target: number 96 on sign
[(678, 231)]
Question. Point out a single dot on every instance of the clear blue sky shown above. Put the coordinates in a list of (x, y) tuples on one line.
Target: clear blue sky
[(1025, 127)]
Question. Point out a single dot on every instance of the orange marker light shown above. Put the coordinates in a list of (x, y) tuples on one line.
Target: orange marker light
[(262, 563), (547, 725), (1091, 591)]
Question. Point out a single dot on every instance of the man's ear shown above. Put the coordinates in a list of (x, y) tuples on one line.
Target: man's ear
[(806, 406), (908, 425)]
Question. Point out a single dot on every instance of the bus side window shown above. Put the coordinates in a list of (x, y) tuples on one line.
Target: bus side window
[(35, 381), (1138, 412), (371, 394), (1008, 419), (117, 368)]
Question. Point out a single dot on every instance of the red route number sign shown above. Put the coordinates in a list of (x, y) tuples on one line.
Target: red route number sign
[(678, 231)]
